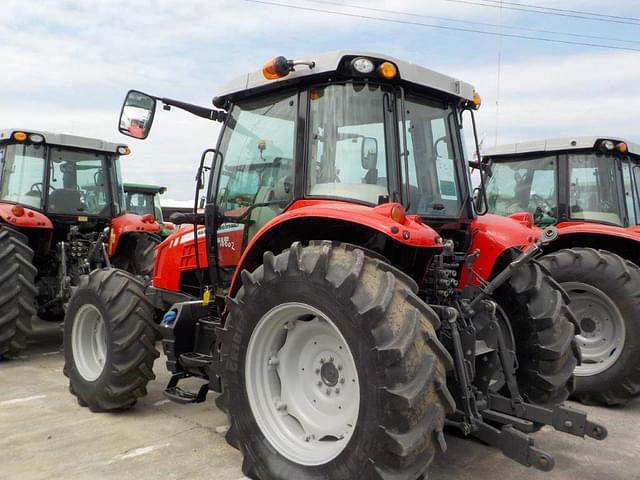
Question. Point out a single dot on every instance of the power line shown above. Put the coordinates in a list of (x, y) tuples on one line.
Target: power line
[(468, 22), (595, 14), (557, 14), (442, 27)]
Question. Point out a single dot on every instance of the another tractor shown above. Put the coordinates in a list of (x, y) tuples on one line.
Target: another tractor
[(61, 215), (342, 295), (142, 199), (588, 188)]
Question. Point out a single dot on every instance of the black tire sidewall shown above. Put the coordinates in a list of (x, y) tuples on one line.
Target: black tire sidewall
[(320, 295)]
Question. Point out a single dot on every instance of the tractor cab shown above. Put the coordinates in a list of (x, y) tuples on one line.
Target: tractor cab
[(344, 130), (68, 179), (143, 199), (584, 179)]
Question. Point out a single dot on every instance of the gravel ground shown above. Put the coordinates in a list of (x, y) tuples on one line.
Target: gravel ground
[(44, 434)]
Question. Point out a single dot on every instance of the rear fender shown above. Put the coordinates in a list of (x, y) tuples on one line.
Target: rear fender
[(126, 224), (494, 236), (308, 220), (30, 219)]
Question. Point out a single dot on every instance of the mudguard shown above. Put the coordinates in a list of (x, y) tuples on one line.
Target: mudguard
[(128, 223), (30, 218), (591, 228)]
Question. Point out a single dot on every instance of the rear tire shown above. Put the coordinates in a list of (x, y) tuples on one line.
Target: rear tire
[(137, 254), (394, 363), (17, 291), (109, 338), (605, 296), (544, 329)]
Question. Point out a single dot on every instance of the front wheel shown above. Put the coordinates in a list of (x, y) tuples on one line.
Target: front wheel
[(109, 341), (603, 288), (332, 369)]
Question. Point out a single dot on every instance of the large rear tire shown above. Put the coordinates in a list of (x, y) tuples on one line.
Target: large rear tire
[(109, 338), (17, 291), (543, 329), (605, 297), (332, 369), (137, 254)]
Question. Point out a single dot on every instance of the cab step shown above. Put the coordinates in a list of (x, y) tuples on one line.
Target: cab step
[(176, 394)]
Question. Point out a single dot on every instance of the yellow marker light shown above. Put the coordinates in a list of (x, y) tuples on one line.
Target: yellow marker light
[(622, 147), (19, 136), (477, 101), (388, 70), (397, 214)]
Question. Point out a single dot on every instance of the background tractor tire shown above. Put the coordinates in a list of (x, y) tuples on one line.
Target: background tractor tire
[(17, 291), (544, 330), (137, 254), (109, 339), (394, 364), (604, 290)]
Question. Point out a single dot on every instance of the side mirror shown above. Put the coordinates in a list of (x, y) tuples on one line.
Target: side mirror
[(369, 153), (137, 114)]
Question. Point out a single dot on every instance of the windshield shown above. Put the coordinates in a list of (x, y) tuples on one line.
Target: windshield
[(142, 203), (527, 185), (347, 155), (78, 183), (428, 160), (22, 174)]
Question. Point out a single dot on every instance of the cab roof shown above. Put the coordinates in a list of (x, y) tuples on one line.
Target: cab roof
[(144, 188), (555, 145), (65, 140), (327, 63)]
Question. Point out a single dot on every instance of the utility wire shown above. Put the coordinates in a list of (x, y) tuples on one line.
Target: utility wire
[(595, 14), (469, 22), (442, 27), (557, 14)]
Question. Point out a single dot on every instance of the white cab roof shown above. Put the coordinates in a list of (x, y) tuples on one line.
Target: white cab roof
[(555, 145), (329, 62), (65, 140)]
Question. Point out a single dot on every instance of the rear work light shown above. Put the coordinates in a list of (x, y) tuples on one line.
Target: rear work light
[(362, 65), (124, 150), (36, 138)]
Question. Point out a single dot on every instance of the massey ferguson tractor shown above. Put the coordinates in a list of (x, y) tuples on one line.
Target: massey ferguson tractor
[(340, 291), (61, 216), (588, 188)]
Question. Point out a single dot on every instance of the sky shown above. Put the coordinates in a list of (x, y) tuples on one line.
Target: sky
[(67, 64)]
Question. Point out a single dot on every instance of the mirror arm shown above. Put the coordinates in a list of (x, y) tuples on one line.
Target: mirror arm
[(483, 190), (208, 113)]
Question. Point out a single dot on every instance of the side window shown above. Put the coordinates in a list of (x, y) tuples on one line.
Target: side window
[(629, 194), (23, 174), (256, 180), (445, 163)]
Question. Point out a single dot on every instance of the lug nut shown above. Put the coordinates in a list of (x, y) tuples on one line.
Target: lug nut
[(337, 390), (319, 384), (331, 359), (328, 391), (339, 367), (322, 360), (317, 371), (281, 406), (273, 362)]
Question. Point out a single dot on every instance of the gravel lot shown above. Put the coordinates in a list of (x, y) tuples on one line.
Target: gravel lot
[(44, 434)]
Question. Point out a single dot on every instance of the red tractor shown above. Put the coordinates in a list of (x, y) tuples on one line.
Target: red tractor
[(342, 294), (61, 215), (588, 188)]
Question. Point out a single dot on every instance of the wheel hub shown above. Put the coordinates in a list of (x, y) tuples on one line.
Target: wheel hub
[(602, 328), (302, 383), (89, 342)]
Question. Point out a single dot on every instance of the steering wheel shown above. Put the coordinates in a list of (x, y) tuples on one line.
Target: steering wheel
[(38, 186), (543, 209)]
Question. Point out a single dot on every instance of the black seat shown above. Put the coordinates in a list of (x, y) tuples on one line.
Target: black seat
[(66, 200)]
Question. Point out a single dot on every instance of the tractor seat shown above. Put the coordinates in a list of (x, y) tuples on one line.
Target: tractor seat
[(66, 200)]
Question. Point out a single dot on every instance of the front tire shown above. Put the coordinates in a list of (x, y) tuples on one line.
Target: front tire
[(109, 338), (17, 291), (544, 330), (603, 288), (380, 350)]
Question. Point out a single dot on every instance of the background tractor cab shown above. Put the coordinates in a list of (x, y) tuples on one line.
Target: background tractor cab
[(588, 188), (339, 229), (143, 199), (61, 200)]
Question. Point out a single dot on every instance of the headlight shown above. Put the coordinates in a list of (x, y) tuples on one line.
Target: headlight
[(607, 145), (362, 65), (36, 138)]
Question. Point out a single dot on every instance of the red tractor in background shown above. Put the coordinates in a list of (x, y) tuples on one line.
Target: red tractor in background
[(339, 290), (61, 215), (588, 188)]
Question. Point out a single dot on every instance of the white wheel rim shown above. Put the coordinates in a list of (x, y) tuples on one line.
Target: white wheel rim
[(602, 330), (302, 384), (89, 342)]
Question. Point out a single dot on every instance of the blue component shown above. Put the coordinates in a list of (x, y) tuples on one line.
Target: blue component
[(169, 317)]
